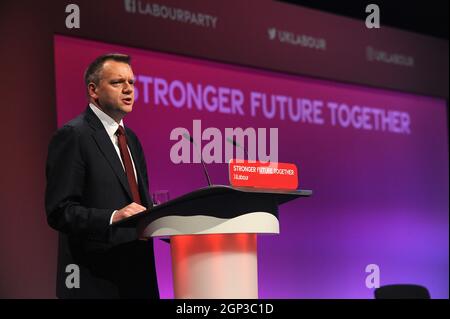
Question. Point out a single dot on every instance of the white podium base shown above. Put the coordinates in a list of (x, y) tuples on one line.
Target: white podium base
[(215, 266)]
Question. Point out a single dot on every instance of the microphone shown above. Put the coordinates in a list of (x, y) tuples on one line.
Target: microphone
[(236, 144), (191, 139)]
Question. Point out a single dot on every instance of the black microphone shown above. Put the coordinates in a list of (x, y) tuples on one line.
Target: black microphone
[(191, 139), (233, 141)]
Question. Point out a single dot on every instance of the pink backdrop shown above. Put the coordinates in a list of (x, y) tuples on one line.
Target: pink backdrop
[(379, 197)]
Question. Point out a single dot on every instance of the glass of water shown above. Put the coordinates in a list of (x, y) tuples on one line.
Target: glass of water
[(160, 196)]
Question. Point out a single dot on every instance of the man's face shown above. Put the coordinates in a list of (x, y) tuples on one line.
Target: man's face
[(114, 93)]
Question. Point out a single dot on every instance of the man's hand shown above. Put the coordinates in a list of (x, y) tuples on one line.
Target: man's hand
[(127, 211)]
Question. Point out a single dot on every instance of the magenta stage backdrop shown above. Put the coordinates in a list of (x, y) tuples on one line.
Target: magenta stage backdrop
[(376, 160)]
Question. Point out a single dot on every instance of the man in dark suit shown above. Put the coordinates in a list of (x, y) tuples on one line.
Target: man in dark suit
[(97, 175)]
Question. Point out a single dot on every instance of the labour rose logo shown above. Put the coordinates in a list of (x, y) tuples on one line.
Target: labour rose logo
[(272, 32), (130, 6)]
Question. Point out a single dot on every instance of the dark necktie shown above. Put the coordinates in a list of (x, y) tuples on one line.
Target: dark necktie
[(126, 159)]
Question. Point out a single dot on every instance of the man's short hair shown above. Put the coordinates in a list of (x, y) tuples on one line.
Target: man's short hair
[(92, 73)]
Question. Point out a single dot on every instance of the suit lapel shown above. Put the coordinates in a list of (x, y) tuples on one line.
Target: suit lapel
[(107, 148)]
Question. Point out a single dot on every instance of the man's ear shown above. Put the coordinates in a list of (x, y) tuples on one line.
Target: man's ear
[(92, 90)]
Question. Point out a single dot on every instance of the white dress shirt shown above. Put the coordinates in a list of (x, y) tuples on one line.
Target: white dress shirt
[(111, 128)]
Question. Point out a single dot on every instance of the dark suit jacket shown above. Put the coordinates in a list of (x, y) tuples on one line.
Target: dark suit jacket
[(85, 184)]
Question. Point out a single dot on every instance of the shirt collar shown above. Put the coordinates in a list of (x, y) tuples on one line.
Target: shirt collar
[(108, 122)]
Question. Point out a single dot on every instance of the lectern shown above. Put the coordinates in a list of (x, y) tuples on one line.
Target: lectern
[(213, 239)]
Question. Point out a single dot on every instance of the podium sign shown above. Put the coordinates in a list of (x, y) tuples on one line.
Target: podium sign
[(244, 173)]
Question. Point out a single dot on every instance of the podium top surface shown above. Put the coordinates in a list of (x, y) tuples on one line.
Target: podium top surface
[(220, 199)]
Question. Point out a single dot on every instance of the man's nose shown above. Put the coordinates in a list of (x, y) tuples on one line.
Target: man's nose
[(128, 88)]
